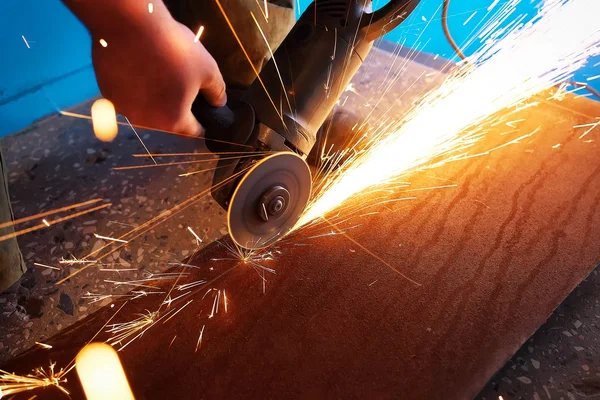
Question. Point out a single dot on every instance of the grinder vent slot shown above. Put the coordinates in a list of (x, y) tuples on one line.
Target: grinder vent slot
[(332, 8)]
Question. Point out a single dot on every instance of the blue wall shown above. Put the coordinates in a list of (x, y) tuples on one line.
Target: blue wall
[(56, 71), (57, 66)]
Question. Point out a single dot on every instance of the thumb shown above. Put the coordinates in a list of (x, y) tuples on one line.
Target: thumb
[(189, 126), (213, 90)]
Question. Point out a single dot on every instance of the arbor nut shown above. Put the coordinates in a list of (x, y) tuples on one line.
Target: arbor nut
[(273, 203)]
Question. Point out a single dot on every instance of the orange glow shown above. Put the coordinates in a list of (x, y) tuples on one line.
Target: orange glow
[(101, 373), (200, 30), (104, 120)]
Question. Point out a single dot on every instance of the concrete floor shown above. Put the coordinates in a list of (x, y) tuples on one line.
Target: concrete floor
[(57, 162)]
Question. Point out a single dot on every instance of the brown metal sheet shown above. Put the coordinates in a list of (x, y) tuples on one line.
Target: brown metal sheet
[(493, 256)]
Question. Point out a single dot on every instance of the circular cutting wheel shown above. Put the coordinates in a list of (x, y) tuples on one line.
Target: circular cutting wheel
[(269, 200)]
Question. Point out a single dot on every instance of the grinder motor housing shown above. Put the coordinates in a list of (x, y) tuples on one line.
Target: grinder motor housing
[(285, 107)]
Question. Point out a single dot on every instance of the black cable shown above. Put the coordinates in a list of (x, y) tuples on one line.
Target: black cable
[(457, 49)]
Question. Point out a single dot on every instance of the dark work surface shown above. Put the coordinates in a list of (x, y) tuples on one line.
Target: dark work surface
[(492, 258)]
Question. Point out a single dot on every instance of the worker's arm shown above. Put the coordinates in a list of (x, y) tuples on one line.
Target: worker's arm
[(151, 68)]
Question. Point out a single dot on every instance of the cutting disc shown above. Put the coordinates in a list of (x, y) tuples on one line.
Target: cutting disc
[(269, 200)]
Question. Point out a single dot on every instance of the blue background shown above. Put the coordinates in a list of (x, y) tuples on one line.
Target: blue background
[(56, 72)]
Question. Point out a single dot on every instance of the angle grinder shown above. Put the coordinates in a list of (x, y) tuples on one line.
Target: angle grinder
[(264, 137)]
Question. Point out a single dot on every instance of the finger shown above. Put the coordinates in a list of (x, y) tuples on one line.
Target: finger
[(189, 126), (213, 90)]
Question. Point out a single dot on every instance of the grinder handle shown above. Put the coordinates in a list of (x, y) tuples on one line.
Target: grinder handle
[(382, 21), (212, 118)]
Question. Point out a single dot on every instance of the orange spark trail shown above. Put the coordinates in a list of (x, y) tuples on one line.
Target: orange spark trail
[(514, 64)]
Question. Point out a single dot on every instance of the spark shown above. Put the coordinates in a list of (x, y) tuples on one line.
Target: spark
[(548, 52), (170, 344), (225, 301), (253, 258), (125, 330), (197, 37), (75, 260), (592, 127), (53, 222), (45, 222), (43, 345), (190, 285), (199, 342), (593, 78), (104, 120), (169, 300), (135, 294), (494, 4), (109, 238), (103, 43), (46, 213), (39, 378), (150, 8), (26, 43), (215, 303), (556, 146), (117, 269), (150, 224), (469, 19), (177, 312), (198, 240), (140, 139), (46, 266)]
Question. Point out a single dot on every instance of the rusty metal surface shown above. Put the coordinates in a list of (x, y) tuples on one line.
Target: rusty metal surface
[(493, 256)]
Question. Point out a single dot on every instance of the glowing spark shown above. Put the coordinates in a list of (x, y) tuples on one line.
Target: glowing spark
[(199, 342), (266, 10), (136, 328), (215, 303), (177, 312), (46, 213), (117, 269), (169, 300), (54, 221), (592, 127), (140, 139), (46, 266), (170, 344), (200, 30), (26, 43), (190, 285), (556, 146), (104, 120), (101, 373), (494, 4), (198, 240), (225, 301), (39, 378), (109, 238), (45, 222), (43, 345), (593, 78), (103, 43), (469, 19), (75, 260), (547, 54), (135, 294), (150, 8)]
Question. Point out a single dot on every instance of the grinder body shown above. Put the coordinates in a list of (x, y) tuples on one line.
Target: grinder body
[(286, 105)]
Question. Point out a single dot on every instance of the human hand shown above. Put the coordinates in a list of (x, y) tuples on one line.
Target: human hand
[(152, 71)]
